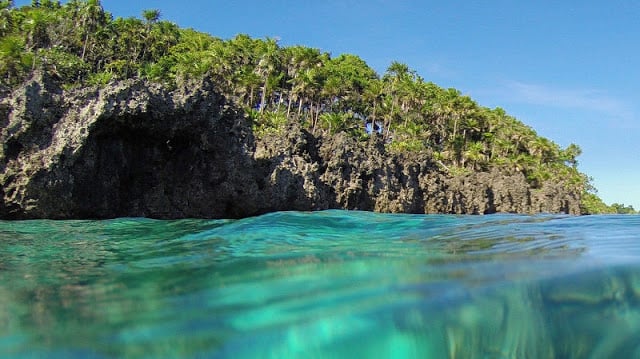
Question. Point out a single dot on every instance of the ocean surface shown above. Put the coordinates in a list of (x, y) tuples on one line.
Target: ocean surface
[(331, 284)]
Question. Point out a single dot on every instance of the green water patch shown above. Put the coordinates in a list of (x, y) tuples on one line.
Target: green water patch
[(322, 284)]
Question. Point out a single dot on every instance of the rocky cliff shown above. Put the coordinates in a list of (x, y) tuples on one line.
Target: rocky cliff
[(138, 149)]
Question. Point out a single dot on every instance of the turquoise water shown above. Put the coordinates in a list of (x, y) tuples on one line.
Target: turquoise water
[(323, 284)]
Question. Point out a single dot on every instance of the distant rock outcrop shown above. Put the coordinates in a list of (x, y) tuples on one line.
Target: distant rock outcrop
[(138, 149)]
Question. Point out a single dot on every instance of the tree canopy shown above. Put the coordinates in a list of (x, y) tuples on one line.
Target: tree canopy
[(83, 45)]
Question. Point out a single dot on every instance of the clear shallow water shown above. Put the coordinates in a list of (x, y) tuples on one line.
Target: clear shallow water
[(323, 284)]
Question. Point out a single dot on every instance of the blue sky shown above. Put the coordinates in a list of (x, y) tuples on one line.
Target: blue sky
[(569, 69)]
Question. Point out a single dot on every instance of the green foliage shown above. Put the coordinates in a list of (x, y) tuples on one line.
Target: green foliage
[(67, 66), (100, 78), (268, 123), (151, 15), (592, 204), (14, 61), (81, 43), (334, 122), (622, 209), (457, 171), (409, 145)]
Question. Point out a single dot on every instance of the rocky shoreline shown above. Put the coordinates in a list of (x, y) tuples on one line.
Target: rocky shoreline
[(137, 149)]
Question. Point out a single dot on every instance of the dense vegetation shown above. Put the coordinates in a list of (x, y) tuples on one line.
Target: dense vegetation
[(81, 45)]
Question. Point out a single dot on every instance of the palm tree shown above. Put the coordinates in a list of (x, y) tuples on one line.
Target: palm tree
[(247, 82), (475, 153), (36, 27), (151, 16), (442, 111), (299, 59), (14, 60), (537, 147), (161, 38), (269, 62), (397, 73), (306, 88), (336, 121), (332, 90), (570, 153), (373, 94), (6, 20), (128, 45), (92, 16)]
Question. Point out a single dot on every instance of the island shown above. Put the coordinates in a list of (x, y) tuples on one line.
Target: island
[(104, 117)]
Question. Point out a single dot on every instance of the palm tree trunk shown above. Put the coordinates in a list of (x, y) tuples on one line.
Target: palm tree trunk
[(373, 119), (263, 98), (250, 99), (84, 46)]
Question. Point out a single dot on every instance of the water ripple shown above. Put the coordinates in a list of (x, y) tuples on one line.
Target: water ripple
[(331, 283)]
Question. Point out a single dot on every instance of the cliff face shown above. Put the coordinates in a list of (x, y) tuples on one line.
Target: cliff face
[(340, 172), (137, 149)]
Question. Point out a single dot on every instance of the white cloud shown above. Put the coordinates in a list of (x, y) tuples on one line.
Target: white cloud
[(579, 99)]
